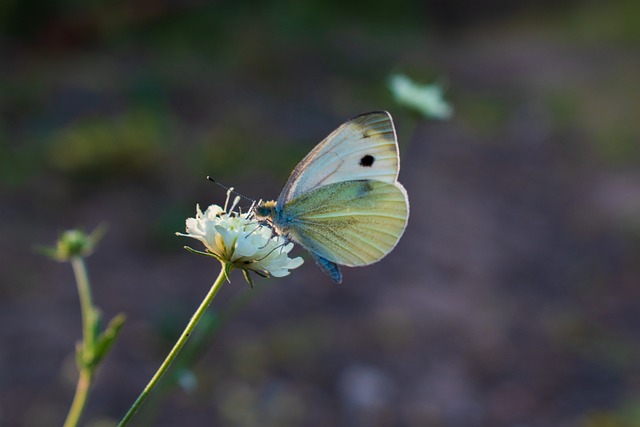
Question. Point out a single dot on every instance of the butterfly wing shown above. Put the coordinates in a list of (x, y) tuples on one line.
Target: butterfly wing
[(351, 223), (365, 147)]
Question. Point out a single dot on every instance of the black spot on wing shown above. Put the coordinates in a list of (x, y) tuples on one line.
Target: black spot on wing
[(367, 161)]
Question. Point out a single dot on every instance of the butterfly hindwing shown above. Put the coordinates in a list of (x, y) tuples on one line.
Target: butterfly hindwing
[(365, 147), (351, 223)]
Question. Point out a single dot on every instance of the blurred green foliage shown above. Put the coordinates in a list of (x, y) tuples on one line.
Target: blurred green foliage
[(606, 112), (206, 27), (130, 144), (17, 163), (283, 345), (596, 21), (233, 150), (486, 113), (237, 43), (627, 415)]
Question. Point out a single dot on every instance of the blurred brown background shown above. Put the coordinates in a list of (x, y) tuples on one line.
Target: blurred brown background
[(512, 299)]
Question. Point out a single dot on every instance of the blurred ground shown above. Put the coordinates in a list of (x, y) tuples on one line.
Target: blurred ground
[(512, 300)]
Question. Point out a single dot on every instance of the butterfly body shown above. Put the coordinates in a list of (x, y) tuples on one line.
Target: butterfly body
[(343, 202)]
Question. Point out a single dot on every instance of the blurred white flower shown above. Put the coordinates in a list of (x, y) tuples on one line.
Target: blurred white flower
[(426, 99), (239, 241)]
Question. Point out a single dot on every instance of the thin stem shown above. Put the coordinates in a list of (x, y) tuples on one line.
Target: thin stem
[(88, 337), (80, 398), (194, 349), (176, 348), (86, 305)]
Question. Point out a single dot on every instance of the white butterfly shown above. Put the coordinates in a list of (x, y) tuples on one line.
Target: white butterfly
[(343, 202)]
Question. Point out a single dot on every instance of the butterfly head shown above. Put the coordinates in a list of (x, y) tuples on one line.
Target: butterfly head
[(265, 211)]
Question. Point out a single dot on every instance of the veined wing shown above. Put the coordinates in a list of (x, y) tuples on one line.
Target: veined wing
[(365, 147), (352, 223)]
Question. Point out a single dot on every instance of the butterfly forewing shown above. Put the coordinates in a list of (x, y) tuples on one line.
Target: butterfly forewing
[(352, 223), (365, 147)]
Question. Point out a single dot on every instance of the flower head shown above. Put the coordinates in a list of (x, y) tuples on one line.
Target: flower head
[(74, 243), (238, 241)]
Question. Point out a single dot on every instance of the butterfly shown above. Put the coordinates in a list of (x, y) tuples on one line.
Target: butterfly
[(343, 202)]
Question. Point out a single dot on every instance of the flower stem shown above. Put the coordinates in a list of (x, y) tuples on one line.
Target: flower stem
[(86, 305), (80, 398), (176, 348), (86, 374)]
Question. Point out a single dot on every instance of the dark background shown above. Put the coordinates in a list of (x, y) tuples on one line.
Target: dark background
[(512, 299)]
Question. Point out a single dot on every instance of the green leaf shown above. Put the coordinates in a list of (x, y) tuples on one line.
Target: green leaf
[(48, 251), (94, 318), (227, 270), (107, 338), (248, 278), (97, 234)]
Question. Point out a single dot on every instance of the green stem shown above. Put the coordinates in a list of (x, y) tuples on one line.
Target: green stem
[(86, 305), (177, 347), (80, 398), (86, 375)]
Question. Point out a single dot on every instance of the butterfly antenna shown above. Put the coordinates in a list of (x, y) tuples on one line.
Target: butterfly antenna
[(231, 190)]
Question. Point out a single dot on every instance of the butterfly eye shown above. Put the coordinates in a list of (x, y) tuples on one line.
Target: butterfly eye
[(367, 161)]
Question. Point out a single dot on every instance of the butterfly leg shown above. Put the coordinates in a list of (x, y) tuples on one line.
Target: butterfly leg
[(274, 233), (331, 268)]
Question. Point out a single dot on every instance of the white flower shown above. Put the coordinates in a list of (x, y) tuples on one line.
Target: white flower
[(426, 99), (239, 241)]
